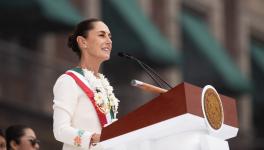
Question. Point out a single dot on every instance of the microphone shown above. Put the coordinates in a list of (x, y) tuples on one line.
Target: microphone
[(122, 54), (154, 76), (148, 87)]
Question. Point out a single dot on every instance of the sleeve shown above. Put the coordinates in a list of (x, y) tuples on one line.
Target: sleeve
[(65, 102)]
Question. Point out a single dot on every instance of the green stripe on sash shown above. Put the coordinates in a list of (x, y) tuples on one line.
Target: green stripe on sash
[(79, 70)]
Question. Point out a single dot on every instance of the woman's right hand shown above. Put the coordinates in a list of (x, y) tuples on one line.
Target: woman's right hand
[(95, 139)]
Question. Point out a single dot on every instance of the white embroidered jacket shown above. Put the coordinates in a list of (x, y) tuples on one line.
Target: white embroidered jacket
[(74, 118)]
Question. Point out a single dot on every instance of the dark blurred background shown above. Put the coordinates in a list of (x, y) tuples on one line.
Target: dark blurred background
[(217, 42)]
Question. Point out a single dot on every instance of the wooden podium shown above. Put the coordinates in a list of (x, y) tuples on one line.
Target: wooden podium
[(173, 120)]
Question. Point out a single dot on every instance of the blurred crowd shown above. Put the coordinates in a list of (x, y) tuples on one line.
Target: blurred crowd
[(18, 137)]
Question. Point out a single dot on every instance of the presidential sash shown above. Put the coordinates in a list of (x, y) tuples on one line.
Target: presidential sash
[(89, 93)]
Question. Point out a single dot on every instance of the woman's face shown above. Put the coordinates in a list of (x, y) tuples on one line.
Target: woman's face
[(98, 42), (27, 141), (2, 143)]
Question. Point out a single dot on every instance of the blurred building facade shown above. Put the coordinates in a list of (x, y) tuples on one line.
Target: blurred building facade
[(217, 42)]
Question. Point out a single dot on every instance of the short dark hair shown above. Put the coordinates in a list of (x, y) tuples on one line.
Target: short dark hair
[(2, 133), (14, 133), (80, 30)]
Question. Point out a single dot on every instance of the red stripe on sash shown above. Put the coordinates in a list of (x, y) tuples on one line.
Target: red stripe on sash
[(90, 94)]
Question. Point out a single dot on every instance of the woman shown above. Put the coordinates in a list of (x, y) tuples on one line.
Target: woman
[(2, 141), (83, 99), (21, 137)]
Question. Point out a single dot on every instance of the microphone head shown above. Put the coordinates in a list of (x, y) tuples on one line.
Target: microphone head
[(122, 54)]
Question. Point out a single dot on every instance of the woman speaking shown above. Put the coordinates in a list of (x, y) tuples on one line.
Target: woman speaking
[(84, 101)]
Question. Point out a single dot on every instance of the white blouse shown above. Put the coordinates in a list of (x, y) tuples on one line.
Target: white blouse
[(75, 119)]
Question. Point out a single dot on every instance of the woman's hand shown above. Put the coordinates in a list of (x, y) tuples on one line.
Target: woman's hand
[(95, 139)]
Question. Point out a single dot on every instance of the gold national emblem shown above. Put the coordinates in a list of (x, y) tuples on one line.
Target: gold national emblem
[(213, 108)]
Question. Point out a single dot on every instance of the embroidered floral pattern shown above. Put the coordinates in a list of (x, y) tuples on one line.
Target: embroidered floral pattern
[(78, 138), (103, 93)]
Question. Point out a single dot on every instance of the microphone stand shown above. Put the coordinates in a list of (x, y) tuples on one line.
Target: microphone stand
[(159, 81), (149, 73), (155, 73)]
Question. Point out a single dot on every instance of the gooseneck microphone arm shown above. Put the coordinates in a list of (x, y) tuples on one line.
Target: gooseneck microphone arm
[(141, 65), (159, 81), (149, 72), (157, 75)]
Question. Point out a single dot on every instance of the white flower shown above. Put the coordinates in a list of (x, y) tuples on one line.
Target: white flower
[(98, 98), (109, 88)]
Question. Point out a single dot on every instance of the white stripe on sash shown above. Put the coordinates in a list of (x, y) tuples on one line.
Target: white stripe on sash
[(82, 79)]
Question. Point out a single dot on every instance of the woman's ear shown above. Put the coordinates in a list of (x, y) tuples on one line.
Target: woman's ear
[(81, 42), (13, 145)]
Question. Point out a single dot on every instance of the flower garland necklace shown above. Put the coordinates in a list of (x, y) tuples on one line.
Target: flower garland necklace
[(103, 93)]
